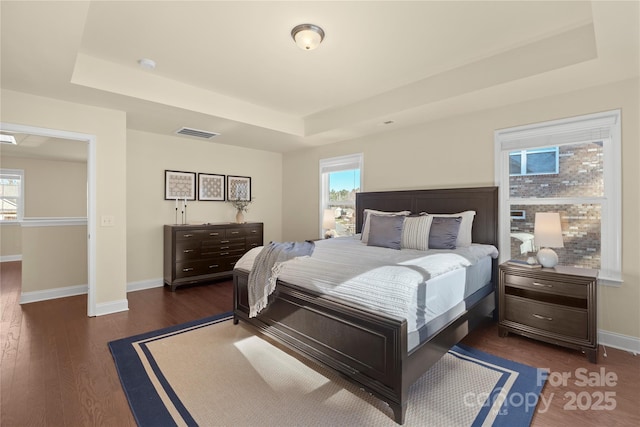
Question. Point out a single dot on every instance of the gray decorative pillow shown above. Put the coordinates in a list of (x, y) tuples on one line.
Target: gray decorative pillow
[(385, 231), (365, 224), (444, 232)]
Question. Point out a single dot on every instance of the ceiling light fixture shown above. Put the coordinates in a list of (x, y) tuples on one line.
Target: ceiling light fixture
[(147, 64), (307, 36)]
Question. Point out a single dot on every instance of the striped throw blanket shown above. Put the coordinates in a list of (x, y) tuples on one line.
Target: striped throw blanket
[(266, 267)]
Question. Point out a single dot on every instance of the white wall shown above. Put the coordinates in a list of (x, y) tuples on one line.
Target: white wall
[(458, 152)]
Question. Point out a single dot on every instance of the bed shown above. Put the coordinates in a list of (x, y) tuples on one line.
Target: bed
[(371, 348)]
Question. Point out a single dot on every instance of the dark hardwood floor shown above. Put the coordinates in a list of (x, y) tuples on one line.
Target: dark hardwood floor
[(56, 368)]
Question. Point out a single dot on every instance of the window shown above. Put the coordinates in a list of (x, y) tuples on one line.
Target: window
[(534, 162), (11, 195), (340, 180), (570, 166)]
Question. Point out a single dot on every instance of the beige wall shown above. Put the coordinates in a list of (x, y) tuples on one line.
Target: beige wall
[(10, 240), (149, 155), (459, 152), (53, 188), (109, 127), (53, 257)]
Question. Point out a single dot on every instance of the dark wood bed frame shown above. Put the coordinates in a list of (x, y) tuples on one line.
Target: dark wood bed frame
[(368, 348)]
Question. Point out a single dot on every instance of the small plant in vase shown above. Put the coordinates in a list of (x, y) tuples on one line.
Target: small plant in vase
[(241, 206)]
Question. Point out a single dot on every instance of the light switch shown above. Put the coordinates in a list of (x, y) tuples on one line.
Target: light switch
[(107, 221)]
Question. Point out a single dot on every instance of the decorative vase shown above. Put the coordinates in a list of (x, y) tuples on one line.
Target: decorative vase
[(240, 217)]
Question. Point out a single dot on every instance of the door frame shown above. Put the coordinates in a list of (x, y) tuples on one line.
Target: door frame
[(91, 195)]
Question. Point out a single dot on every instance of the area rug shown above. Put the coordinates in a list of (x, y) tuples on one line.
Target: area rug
[(211, 372)]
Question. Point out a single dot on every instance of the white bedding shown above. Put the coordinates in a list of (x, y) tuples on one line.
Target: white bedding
[(380, 279)]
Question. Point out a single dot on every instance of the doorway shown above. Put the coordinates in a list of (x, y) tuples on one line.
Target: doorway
[(90, 141)]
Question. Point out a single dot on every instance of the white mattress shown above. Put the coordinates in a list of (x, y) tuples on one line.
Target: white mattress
[(409, 284)]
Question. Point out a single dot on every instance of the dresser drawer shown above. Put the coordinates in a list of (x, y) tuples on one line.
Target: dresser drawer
[(547, 317), (187, 249), (215, 234), (236, 232), (224, 251), (232, 260), (253, 242), (213, 266), (254, 231), (219, 265), (189, 235), (188, 269), (546, 285), (223, 243)]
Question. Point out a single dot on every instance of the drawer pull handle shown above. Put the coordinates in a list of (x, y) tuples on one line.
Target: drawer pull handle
[(254, 244), (544, 285), (224, 247), (187, 269), (213, 266), (235, 232), (186, 251), (224, 253), (214, 234), (537, 316), (187, 235), (254, 231), (224, 241), (233, 263)]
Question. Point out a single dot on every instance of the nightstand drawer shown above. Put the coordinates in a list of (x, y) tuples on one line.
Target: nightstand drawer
[(547, 317), (545, 285)]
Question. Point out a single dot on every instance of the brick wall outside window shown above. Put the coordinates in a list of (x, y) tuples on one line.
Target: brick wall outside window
[(580, 175)]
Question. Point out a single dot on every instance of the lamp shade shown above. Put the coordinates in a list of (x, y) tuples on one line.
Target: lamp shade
[(547, 231), (329, 219)]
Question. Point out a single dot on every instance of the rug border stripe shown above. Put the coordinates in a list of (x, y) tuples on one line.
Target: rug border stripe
[(526, 375), (144, 401)]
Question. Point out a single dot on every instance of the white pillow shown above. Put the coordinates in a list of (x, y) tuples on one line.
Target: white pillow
[(366, 224), (415, 232), (464, 234)]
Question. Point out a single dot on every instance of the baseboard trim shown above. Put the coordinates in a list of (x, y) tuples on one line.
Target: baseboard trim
[(10, 258), (619, 341), (145, 284), (112, 307), (67, 291)]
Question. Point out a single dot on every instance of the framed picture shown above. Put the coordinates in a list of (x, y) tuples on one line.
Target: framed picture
[(179, 185), (210, 187), (238, 187)]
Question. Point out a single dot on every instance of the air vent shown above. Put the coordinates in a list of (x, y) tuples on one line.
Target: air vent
[(196, 133), (7, 139)]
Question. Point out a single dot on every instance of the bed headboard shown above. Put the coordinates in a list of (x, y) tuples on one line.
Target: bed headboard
[(483, 200)]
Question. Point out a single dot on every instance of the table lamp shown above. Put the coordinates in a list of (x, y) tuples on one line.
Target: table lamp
[(329, 223), (547, 234)]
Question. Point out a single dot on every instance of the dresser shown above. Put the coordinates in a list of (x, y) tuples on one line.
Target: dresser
[(555, 305), (202, 253)]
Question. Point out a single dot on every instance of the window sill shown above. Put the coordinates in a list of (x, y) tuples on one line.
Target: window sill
[(610, 280)]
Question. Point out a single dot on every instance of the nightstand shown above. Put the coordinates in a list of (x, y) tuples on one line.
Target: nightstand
[(555, 305)]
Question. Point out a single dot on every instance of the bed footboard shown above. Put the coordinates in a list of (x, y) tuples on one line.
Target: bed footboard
[(367, 348)]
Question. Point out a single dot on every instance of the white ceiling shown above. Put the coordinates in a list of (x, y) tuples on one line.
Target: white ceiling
[(232, 67)]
